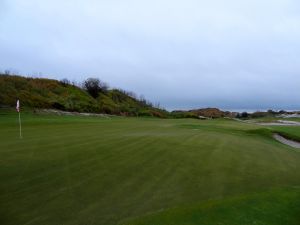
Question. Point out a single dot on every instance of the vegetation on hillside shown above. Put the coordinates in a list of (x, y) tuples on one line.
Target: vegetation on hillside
[(93, 96)]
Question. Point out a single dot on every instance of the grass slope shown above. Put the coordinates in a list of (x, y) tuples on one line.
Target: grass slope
[(48, 93), (80, 170)]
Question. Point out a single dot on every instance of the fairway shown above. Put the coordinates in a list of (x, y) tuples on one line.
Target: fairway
[(74, 170)]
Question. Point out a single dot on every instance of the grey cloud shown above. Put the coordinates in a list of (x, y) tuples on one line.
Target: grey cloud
[(229, 54)]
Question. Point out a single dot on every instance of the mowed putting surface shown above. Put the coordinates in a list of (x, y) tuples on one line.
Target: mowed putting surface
[(82, 170)]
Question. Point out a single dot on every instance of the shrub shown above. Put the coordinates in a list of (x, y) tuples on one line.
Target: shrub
[(94, 86)]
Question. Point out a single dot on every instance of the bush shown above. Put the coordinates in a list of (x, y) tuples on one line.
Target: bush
[(57, 105), (94, 86), (65, 82), (242, 115)]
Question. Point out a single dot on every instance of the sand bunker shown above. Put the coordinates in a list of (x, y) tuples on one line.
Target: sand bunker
[(285, 141), (281, 123)]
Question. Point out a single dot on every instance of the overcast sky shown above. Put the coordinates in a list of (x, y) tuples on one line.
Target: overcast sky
[(184, 54)]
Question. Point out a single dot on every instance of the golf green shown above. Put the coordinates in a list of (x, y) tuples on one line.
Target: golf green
[(73, 170)]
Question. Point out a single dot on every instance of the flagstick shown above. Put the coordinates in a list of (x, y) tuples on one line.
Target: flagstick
[(20, 125)]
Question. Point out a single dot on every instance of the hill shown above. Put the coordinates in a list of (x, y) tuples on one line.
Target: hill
[(210, 112), (49, 93), (203, 113)]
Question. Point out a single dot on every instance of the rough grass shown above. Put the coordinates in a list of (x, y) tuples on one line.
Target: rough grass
[(80, 170), (48, 93)]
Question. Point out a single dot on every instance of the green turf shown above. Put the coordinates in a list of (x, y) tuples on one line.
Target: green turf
[(272, 207), (78, 170)]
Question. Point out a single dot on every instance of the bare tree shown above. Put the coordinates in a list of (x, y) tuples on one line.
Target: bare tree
[(65, 82), (94, 86)]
